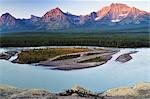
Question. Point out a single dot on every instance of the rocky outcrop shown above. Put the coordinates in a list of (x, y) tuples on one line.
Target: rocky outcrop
[(34, 94), (9, 92), (139, 91), (78, 92)]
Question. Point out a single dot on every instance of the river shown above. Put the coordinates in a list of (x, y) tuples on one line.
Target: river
[(97, 79)]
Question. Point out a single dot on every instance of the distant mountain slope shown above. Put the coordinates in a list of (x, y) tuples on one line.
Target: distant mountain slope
[(117, 16)]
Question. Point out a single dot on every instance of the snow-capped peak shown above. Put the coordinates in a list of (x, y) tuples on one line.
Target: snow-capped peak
[(116, 20), (97, 18)]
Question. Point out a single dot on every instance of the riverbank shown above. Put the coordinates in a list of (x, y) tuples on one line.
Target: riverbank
[(138, 91)]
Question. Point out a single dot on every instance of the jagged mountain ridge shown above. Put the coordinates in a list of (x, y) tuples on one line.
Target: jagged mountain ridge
[(114, 15)]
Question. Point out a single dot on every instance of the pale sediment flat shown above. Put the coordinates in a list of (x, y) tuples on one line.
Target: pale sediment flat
[(76, 63)]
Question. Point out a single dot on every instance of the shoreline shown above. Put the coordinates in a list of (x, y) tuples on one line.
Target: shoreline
[(138, 91)]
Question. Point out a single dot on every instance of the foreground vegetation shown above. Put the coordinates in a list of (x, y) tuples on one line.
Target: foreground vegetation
[(123, 40), (36, 55)]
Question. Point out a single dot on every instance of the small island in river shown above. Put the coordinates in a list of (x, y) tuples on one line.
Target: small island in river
[(65, 58), (62, 58), (125, 57)]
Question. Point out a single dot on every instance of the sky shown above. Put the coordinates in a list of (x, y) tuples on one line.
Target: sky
[(26, 8)]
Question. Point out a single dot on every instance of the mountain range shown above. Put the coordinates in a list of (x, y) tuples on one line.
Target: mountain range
[(116, 16)]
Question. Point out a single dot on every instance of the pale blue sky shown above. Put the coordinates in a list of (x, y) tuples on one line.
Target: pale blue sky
[(24, 8)]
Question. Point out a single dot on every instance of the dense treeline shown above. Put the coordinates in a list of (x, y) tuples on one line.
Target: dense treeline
[(75, 39)]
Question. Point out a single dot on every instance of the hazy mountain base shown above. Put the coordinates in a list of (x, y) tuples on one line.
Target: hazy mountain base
[(139, 91)]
